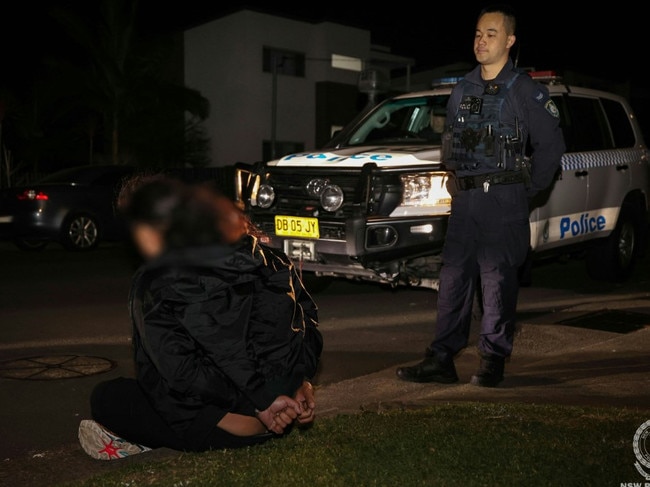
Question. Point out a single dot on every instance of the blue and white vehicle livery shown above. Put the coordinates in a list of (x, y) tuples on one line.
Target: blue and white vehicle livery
[(373, 203)]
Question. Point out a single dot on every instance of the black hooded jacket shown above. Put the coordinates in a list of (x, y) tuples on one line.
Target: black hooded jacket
[(220, 329)]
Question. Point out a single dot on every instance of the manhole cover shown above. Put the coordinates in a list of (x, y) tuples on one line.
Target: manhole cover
[(53, 367), (613, 320)]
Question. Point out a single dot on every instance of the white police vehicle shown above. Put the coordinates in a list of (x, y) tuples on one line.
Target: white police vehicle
[(373, 205)]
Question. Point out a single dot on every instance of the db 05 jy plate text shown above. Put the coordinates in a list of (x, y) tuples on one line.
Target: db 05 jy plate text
[(296, 226)]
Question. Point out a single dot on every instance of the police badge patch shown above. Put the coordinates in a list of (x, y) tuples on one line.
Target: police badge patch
[(551, 108)]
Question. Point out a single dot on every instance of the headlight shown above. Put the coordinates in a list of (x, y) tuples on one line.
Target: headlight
[(424, 194), (265, 196), (331, 198)]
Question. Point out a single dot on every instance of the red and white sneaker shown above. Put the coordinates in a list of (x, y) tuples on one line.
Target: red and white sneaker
[(101, 444)]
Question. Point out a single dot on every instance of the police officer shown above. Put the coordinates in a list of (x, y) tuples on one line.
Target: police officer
[(493, 115)]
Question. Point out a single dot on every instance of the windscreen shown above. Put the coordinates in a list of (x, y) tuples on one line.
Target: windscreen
[(417, 120)]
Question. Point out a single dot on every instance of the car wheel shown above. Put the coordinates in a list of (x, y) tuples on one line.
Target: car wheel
[(30, 245), (80, 232), (613, 258)]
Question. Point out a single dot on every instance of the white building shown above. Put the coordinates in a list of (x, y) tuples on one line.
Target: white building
[(277, 85)]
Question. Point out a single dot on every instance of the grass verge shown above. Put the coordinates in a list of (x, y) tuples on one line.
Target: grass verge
[(463, 444)]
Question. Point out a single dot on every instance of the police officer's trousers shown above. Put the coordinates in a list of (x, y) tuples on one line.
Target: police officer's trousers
[(487, 240)]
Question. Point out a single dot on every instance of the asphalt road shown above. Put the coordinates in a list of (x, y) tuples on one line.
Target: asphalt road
[(66, 302), (64, 327)]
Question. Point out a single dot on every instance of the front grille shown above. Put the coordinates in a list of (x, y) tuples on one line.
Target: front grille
[(368, 192), (292, 197)]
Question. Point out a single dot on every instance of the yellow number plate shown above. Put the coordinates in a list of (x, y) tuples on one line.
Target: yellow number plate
[(296, 226)]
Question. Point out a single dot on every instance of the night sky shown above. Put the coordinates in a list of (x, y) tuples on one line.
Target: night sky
[(610, 43)]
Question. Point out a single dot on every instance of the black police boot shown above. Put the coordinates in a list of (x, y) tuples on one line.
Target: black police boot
[(429, 370), (490, 371)]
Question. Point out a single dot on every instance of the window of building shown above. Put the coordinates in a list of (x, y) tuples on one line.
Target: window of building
[(346, 62), (290, 63)]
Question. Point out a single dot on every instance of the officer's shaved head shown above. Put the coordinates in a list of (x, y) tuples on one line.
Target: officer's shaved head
[(509, 18)]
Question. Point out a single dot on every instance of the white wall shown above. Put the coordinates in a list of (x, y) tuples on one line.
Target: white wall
[(223, 60)]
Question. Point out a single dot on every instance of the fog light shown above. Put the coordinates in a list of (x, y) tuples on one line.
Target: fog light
[(331, 197), (315, 187), (265, 196), (381, 236)]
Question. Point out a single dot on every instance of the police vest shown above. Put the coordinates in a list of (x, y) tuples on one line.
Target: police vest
[(478, 140)]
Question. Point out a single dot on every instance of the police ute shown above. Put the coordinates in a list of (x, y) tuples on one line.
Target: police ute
[(373, 203)]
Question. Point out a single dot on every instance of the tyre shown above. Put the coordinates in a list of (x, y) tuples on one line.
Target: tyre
[(30, 245), (80, 232), (613, 258)]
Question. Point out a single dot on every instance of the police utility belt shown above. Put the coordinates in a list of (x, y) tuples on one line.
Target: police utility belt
[(484, 181)]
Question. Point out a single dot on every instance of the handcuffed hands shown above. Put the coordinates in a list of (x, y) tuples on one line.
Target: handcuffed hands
[(280, 414), (305, 396), (285, 410)]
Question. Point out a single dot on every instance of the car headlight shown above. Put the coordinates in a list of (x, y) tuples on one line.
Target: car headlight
[(265, 196), (424, 194), (331, 197)]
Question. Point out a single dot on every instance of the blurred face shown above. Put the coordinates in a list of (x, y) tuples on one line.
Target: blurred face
[(438, 124), (492, 43), (148, 240)]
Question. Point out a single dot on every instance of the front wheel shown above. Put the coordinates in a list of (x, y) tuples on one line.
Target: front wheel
[(80, 232), (613, 258)]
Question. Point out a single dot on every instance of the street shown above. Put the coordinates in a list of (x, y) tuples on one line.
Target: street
[(57, 300), (64, 327)]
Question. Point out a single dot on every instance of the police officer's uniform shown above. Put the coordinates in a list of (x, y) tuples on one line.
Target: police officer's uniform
[(488, 232)]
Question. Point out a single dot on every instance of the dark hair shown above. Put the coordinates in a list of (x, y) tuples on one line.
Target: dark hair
[(510, 19), (187, 214)]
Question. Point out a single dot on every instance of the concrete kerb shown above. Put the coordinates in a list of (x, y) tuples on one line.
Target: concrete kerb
[(551, 364)]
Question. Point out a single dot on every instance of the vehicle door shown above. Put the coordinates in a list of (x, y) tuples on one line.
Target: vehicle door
[(610, 174), (555, 218)]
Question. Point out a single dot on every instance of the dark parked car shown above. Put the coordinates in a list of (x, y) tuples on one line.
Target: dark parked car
[(74, 207)]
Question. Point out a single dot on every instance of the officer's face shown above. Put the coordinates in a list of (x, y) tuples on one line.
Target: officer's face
[(492, 43)]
